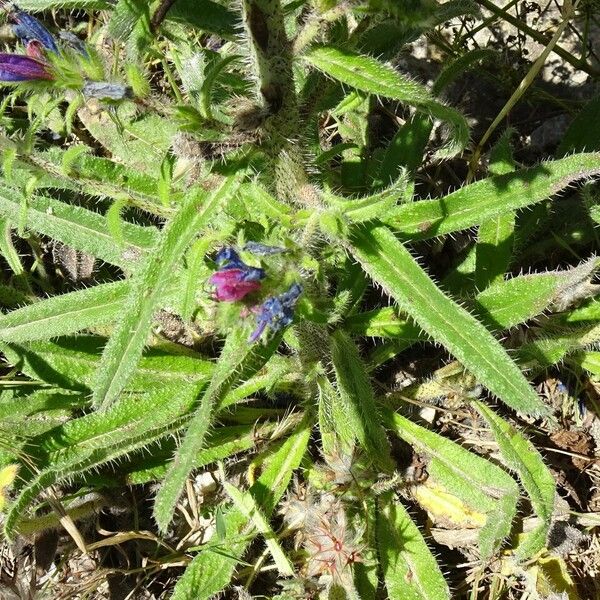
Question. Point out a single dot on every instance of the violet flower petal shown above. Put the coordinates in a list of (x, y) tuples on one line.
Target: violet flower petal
[(277, 312), (28, 28), (233, 293), (16, 67)]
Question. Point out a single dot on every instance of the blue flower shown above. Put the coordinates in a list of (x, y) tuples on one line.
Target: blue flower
[(227, 258), (276, 312), (27, 28)]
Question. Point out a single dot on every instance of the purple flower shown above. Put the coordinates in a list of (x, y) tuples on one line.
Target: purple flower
[(276, 312), (234, 279), (14, 67), (28, 28)]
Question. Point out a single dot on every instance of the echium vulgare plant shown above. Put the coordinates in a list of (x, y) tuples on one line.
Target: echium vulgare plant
[(209, 211)]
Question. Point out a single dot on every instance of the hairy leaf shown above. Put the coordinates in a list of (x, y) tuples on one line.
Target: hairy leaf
[(409, 569), (148, 287), (371, 76), (486, 199), (521, 455), (391, 265)]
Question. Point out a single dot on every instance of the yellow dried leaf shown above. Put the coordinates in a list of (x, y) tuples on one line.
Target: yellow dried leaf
[(446, 509), (7, 477)]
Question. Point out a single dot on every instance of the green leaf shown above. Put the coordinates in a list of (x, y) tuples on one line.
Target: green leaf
[(85, 443), (70, 363), (494, 249), (41, 5), (460, 66), (77, 227), (501, 306), (521, 456), (212, 571), (211, 17), (480, 484), (371, 76), (148, 287), (409, 569), (383, 322), (374, 206), (260, 203), (495, 238), (64, 314), (247, 505), (405, 150), (584, 131), (391, 265), (8, 250), (486, 199), (238, 362), (590, 361), (356, 393), (221, 443)]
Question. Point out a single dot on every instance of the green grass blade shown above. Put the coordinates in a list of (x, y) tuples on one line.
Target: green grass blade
[(391, 265), (148, 287), (210, 572), (486, 199), (369, 75), (409, 569), (64, 314), (521, 456)]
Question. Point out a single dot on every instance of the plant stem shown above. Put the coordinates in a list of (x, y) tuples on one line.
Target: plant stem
[(540, 38), (522, 88)]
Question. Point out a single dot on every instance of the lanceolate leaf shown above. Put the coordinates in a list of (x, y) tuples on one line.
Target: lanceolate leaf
[(212, 569), (64, 314), (70, 363), (356, 393), (98, 438), (488, 198), (369, 75), (238, 362), (500, 306), (521, 455), (409, 569), (148, 287), (77, 227), (374, 206), (477, 482), (391, 265)]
